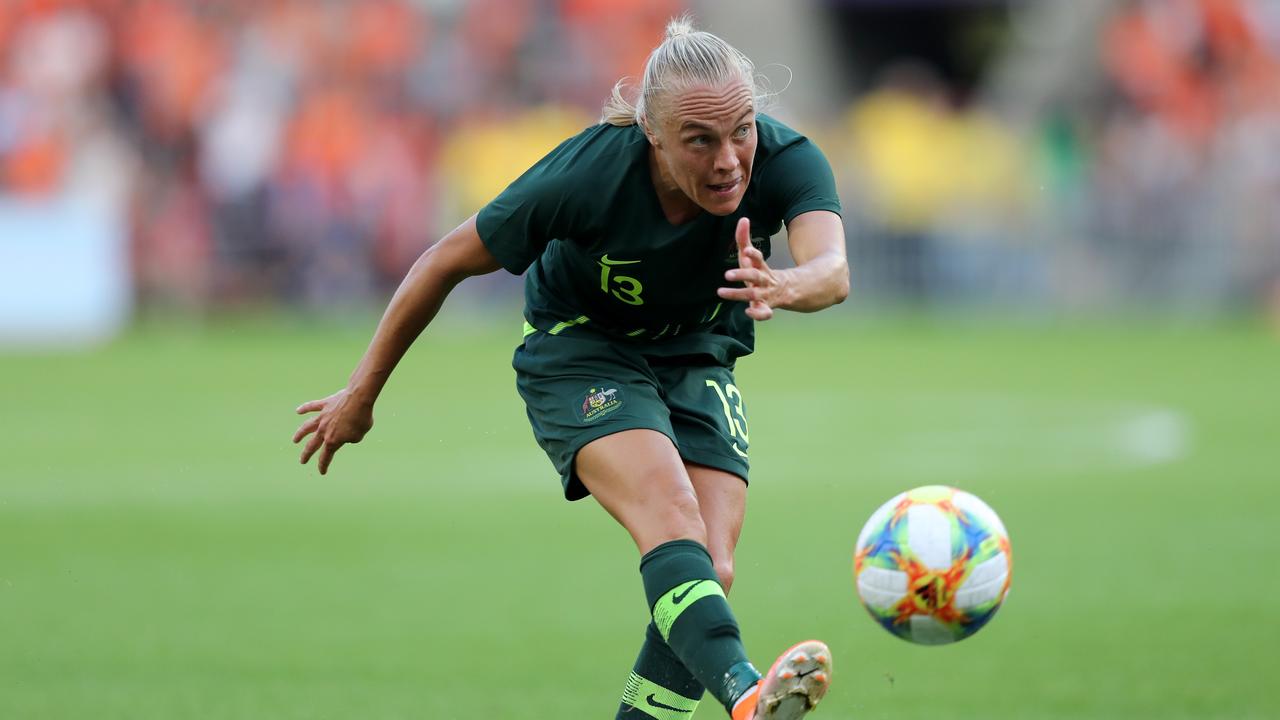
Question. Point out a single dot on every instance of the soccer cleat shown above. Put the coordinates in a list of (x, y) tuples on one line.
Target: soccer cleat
[(794, 685)]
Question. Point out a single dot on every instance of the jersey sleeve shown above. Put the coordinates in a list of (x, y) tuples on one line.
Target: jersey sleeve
[(800, 180), (517, 225)]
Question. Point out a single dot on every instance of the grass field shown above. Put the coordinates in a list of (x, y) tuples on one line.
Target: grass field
[(162, 555)]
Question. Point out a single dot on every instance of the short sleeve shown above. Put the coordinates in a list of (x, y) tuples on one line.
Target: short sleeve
[(517, 225), (799, 180)]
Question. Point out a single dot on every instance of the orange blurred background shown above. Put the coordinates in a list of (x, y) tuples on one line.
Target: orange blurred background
[(302, 153)]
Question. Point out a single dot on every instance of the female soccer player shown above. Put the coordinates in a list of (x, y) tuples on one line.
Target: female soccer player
[(645, 241)]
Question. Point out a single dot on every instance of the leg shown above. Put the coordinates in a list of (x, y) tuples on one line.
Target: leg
[(659, 686), (696, 502), (602, 415), (686, 518), (722, 501), (799, 678), (639, 478)]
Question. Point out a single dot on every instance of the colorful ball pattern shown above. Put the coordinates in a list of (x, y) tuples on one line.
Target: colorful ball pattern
[(933, 564)]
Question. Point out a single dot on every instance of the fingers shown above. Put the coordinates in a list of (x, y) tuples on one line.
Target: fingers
[(338, 423), (326, 457), (747, 294), (752, 272), (312, 445), (311, 406), (326, 447), (751, 257), (758, 285), (306, 429), (750, 276), (757, 307)]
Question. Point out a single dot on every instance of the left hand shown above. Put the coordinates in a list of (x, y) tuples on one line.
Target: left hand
[(764, 287), (343, 418)]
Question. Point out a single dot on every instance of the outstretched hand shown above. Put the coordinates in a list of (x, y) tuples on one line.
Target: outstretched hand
[(342, 419), (764, 287)]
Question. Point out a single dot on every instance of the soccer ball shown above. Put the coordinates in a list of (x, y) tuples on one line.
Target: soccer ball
[(933, 564)]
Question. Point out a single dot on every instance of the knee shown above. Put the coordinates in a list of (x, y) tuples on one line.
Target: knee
[(724, 571), (684, 517), (666, 517)]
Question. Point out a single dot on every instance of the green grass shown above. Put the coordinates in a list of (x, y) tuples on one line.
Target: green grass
[(162, 554)]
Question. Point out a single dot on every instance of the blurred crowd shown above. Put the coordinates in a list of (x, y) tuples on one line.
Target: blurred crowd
[(1187, 185), (297, 150), (1158, 184), (305, 151)]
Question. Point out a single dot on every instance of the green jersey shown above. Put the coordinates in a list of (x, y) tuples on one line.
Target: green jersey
[(603, 260)]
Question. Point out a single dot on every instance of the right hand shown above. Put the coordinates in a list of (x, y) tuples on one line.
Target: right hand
[(764, 288), (342, 419)]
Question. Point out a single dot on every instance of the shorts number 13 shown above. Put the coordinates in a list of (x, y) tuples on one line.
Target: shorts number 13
[(731, 401)]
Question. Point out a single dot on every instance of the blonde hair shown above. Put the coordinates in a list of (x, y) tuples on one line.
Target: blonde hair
[(686, 57)]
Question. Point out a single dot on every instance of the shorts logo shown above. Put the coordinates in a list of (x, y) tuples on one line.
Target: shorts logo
[(600, 401)]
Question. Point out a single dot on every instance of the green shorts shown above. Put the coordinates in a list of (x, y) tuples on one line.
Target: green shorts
[(580, 389)]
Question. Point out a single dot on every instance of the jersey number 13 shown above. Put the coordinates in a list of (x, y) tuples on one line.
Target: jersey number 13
[(624, 287)]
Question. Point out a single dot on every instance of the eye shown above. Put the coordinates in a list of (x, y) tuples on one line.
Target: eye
[(742, 131), (698, 140)]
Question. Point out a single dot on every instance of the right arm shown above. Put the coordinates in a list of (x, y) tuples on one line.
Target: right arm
[(345, 416)]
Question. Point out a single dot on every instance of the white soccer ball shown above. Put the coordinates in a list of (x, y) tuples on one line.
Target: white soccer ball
[(933, 565)]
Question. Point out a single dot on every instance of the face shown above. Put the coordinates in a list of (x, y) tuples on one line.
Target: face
[(704, 145)]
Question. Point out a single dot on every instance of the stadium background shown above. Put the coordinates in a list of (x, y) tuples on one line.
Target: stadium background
[(1064, 223)]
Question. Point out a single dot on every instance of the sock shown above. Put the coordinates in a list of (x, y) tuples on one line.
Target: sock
[(660, 686), (692, 615), (745, 707)]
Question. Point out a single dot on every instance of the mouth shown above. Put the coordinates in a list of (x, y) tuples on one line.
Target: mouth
[(725, 189)]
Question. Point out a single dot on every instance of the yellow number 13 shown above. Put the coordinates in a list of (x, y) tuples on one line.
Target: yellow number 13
[(624, 287), (731, 401)]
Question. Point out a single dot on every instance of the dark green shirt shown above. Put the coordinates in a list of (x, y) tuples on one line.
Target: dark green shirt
[(603, 260)]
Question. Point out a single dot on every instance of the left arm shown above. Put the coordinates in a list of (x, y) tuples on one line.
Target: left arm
[(819, 280)]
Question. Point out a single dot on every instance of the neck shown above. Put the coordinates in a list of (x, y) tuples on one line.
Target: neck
[(676, 206)]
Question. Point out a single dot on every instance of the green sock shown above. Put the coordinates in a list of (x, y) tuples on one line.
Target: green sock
[(692, 615), (660, 686)]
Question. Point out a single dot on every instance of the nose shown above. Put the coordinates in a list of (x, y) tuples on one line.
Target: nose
[(726, 159)]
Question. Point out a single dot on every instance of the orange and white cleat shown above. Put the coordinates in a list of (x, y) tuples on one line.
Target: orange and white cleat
[(794, 685)]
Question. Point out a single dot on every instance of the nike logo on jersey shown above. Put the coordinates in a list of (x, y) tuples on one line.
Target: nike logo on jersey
[(606, 261), (679, 597), (653, 702)]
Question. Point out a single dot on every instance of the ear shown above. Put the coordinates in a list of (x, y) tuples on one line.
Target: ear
[(649, 134)]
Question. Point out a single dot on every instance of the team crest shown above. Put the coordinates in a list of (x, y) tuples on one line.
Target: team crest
[(763, 244), (600, 401)]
